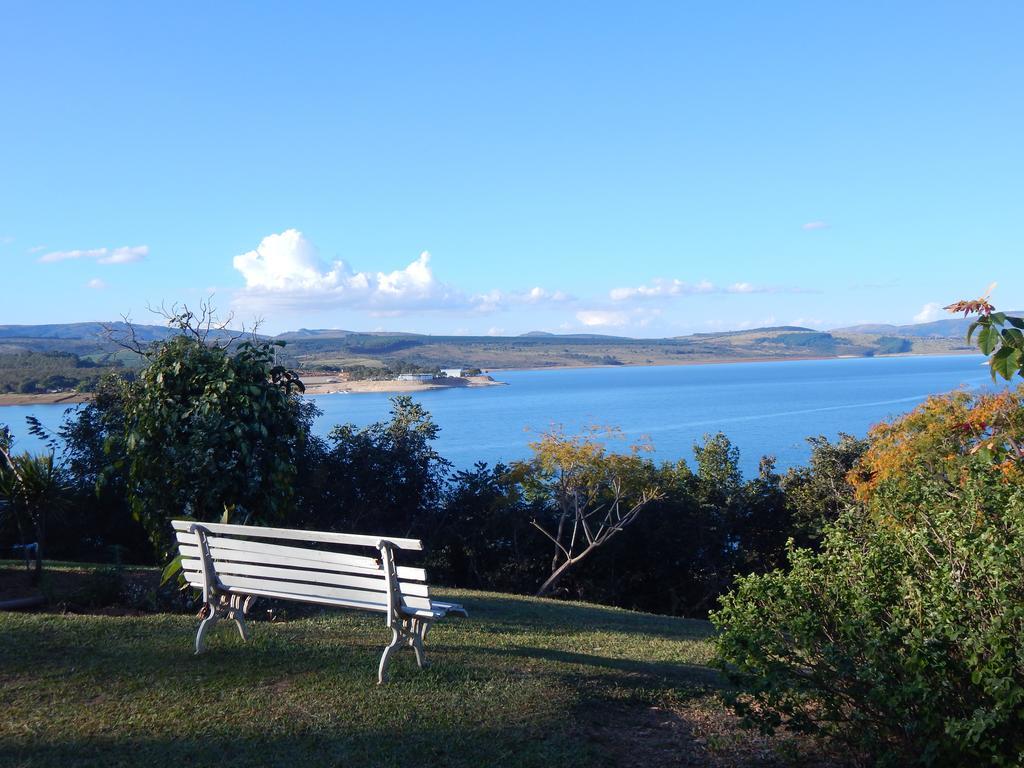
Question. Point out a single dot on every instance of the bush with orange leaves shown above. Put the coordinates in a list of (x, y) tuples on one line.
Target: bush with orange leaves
[(945, 438)]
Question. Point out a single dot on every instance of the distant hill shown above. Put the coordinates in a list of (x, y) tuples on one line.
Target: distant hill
[(315, 333), (546, 335), (766, 329), (93, 330), (88, 339), (952, 328), (336, 349)]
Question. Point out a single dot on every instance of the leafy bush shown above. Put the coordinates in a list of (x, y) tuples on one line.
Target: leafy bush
[(816, 494), (902, 635), (100, 589), (384, 478), (210, 429)]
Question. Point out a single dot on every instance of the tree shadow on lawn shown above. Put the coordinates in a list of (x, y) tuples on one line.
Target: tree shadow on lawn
[(657, 674), (518, 614)]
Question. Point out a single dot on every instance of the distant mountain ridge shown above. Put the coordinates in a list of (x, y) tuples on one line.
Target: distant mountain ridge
[(764, 329), (88, 330), (951, 328), (954, 327), (336, 349)]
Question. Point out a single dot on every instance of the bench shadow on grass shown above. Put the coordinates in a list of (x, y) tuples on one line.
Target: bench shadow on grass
[(641, 674)]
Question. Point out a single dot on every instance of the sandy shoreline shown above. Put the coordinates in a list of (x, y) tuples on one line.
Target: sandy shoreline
[(398, 387)]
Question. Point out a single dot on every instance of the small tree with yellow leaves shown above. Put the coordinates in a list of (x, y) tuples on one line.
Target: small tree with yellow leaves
[(589, 493)]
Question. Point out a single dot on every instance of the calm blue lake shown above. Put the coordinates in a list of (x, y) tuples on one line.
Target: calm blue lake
[(765, 408)]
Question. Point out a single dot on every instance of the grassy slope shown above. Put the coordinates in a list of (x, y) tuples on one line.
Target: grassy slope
[(539, 352), (523, 682)]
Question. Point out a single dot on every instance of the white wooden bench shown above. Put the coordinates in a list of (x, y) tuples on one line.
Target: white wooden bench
[(234, 564)]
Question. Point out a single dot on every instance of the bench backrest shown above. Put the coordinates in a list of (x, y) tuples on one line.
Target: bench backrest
[(244, 559)]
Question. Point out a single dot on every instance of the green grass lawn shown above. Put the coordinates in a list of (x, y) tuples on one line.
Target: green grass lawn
[(522, 682)]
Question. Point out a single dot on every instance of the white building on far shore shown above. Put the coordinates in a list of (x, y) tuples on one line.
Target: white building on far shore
[(454, 373), (415, 377)]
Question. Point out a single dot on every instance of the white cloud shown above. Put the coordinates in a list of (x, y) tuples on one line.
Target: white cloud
[(495, 331), (810, 226), (37, 249), (286, 271), (538, 295), (126, 255), (95, 253), (930, 311), (6, 239), (660, 288), (495, 299), (123, 255), (596, 318), (96, 284), (743, 288)]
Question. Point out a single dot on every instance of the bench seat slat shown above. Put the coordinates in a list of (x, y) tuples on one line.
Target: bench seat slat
[(314, 599), (263, 532), (421, 613), (223, 548), (376, 584), (290, 590)]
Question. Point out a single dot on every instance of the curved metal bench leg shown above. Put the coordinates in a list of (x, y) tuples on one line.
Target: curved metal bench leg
[(419, 632), (212, 616), (238, 614), (382, 670)]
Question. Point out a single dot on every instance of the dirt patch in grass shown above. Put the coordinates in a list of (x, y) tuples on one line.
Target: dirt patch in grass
[(697, 732), (99, 590)]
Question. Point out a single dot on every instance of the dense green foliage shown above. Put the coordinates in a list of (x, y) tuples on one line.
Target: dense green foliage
[(30, 372), (211, 431), (385, 478), (903, 640), (816, 494)]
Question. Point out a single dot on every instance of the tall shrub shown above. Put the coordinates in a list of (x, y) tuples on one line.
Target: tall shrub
[(211, 428), (902, 640)]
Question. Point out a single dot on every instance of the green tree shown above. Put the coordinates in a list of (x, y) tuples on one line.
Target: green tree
[(484, 539), (819, 492), (384, 478), (212, 427)]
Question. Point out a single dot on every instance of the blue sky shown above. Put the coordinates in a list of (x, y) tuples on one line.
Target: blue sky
[(647, 169)]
